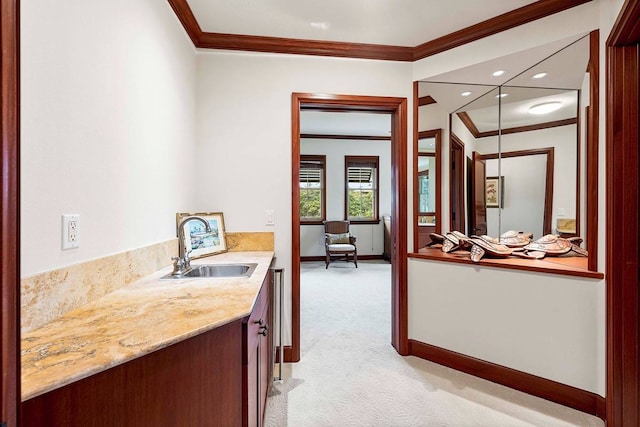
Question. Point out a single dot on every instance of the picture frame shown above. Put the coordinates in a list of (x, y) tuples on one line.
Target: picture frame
[(203, 244), (494, 195)]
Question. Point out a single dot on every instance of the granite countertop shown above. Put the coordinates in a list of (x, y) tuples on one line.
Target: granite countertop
[(137, 319)]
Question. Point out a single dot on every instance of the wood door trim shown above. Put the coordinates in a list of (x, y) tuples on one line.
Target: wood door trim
[(10, 213), (397, 107), (355, 137), (623, 211), (437, 134), (506, 21), (456, 143), (554, 391), (548, 193)]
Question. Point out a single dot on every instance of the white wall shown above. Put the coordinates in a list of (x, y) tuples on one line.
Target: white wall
[(369, 236), (563, 140), (107, 132), (244, 129), (477, 311), (541, 324)]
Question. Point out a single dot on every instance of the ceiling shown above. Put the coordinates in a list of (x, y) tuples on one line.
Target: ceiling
[(386, 22), (406, 30)]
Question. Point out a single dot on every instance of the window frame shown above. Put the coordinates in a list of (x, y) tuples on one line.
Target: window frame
[(350, 161), (322, 159)]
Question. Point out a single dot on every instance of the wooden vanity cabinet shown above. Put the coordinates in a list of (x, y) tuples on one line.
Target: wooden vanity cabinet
[(218, 378), (196, 382), (257, 356)]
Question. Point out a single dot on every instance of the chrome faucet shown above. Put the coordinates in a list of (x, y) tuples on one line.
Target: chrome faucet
[(182, 263)]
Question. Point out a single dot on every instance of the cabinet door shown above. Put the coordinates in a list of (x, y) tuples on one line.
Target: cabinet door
[(258, 361)]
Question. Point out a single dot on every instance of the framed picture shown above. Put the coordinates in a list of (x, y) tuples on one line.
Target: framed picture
[(197, 240), (494, 195)]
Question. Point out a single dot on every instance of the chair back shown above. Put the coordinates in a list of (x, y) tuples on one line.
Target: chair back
[(336, 227)]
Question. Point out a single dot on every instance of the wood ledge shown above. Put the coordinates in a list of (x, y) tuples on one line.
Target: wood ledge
[(564, 265)]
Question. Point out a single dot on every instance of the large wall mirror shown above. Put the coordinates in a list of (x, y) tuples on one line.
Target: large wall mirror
[(517, 131)]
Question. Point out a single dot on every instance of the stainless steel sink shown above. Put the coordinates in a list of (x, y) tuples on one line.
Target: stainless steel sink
[(209, 271)]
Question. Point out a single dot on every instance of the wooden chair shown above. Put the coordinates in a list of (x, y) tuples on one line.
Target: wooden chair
[(338, 241)]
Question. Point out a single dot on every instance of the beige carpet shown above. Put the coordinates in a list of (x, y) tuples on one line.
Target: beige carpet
[(349, 375)]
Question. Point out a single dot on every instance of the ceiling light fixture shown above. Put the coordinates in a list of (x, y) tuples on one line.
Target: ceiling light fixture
[(545, 107), (498, 73), (502, 95), (467, 93), (320, 25), (539, 75)]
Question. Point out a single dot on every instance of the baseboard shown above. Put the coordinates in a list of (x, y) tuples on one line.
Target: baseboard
[(563, 394), (322, 258)]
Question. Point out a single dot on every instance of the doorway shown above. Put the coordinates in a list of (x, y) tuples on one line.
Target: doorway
[(397, 108)]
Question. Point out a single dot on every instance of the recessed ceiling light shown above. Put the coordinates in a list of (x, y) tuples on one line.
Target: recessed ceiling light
[(467, 93), (545, 107), (320, 25), (538, 76), (498, 73), (502, 95)]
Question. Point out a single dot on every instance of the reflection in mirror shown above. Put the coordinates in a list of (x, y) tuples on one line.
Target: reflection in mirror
[(426, 190), (518, 147)]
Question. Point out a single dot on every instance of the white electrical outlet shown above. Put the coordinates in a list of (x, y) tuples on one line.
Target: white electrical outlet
[(70, 231), (561, 212), (270, 217)]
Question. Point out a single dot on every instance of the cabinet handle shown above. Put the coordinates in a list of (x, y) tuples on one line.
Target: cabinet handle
[(264, 330)]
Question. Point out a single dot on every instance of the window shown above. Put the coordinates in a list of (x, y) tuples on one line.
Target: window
[(361, 176), (312, 189)]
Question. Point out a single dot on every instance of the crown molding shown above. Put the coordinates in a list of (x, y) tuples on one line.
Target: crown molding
[(523, 15), (471, 127), (506, 21)]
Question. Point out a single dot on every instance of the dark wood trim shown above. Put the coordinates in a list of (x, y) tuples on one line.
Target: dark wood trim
[(356, 137), (548, 192), (437, 134), (187, 19), (565, 266), (456, 148), (322, 158), (10, 213), (514, 18), (426, 100), (592, 150), (360, 258), (623, 214), (506, 21), (554, 391), (304, 47), (376, 204), (397, 107), (468, 123)]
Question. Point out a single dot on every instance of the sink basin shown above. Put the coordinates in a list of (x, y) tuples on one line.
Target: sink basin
[(209, 271)]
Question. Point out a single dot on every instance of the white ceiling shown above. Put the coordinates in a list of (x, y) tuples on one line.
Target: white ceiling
[(388, 22), (564, 62)]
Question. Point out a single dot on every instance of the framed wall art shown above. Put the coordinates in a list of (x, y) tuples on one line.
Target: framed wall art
[(494, 191), (197, 240)]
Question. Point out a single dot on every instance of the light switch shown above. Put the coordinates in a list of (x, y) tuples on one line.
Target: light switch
[(270, 217)]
